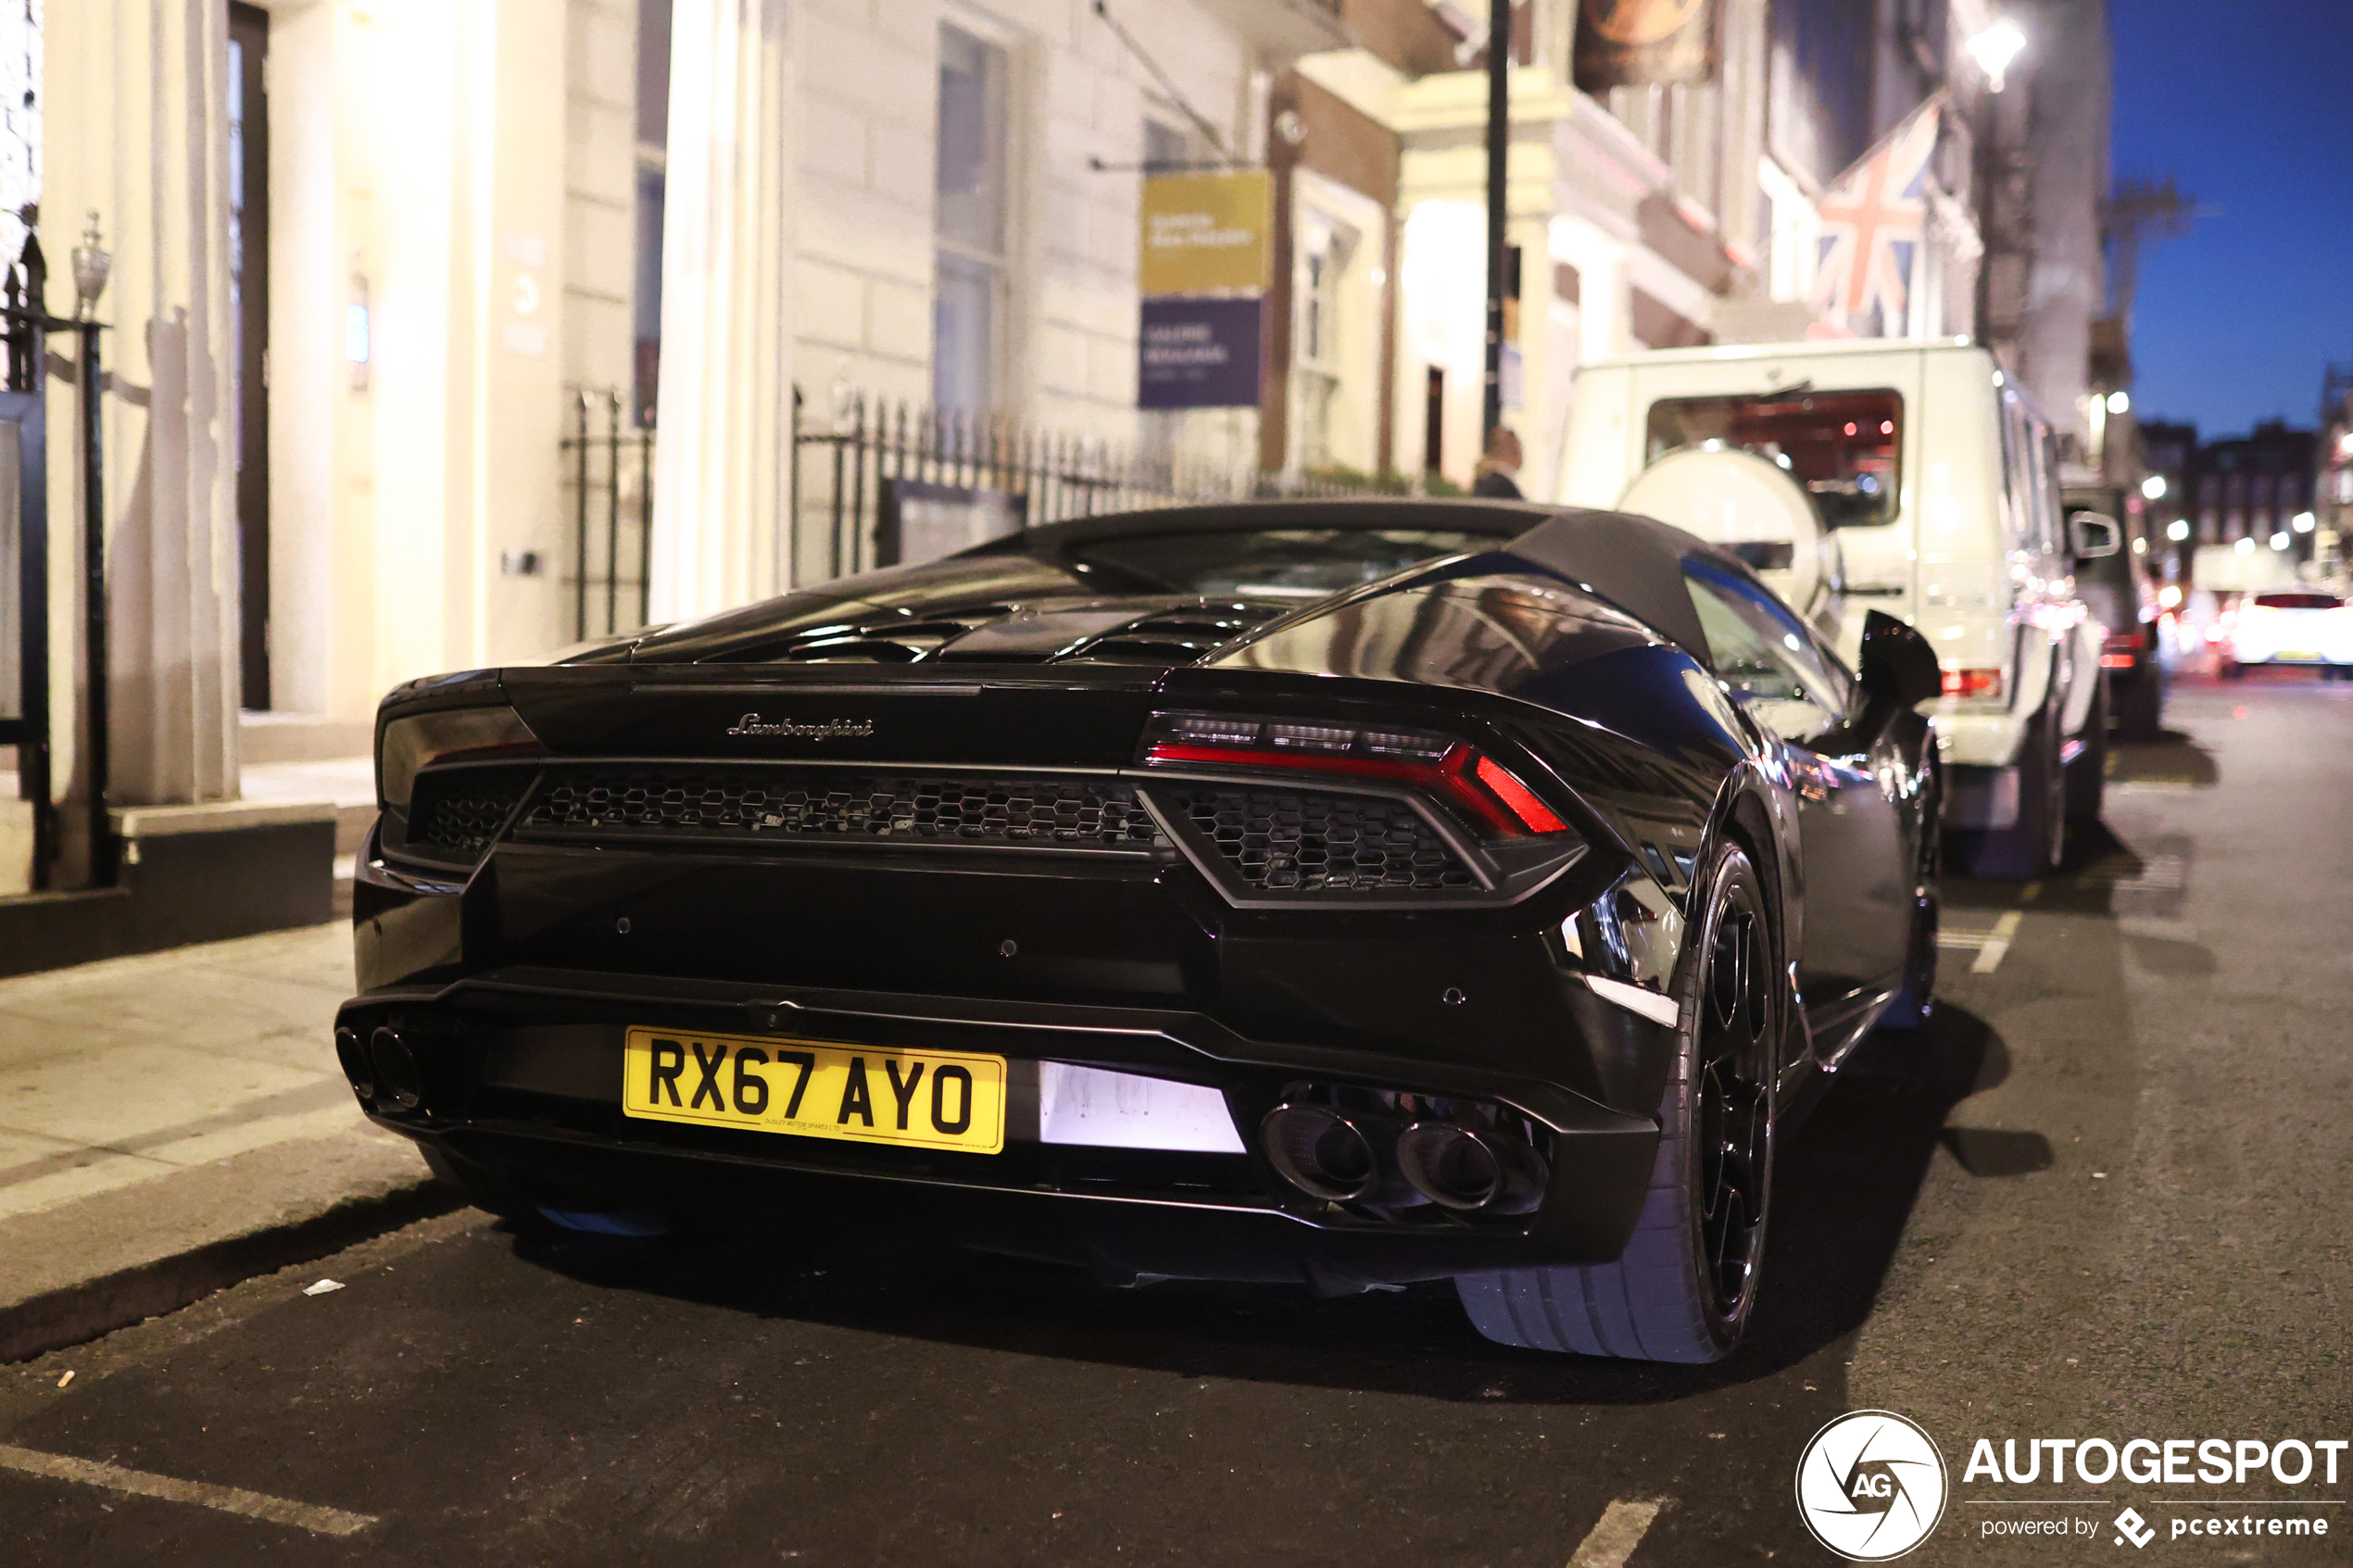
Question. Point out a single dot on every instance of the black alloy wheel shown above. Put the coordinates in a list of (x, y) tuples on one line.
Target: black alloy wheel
[(1685, 1285), (1735, 1111)]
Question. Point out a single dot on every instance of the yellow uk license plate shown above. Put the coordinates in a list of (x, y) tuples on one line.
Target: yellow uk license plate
[(813, 1090)]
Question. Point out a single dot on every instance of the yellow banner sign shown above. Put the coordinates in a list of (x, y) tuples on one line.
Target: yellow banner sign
[(1205, 233)]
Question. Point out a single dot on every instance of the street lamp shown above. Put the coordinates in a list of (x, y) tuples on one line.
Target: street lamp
[(2153, 487), (2120, 402), (2178, 530), (2305, 523), (1995, 49)]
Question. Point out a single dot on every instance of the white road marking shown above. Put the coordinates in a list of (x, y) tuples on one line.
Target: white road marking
[(1971, 940), (2161, 873), (228, 1499), (1611, 1542), (109, 1171), (1997, 944)]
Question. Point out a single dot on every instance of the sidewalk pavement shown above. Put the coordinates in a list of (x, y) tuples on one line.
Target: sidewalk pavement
[(173, 1122)]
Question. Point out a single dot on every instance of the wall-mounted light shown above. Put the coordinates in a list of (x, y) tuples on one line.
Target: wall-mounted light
[(2178, 530), (2120, 402), (2153, 487), (2304, 522), (2279, 541), (1994, 50)]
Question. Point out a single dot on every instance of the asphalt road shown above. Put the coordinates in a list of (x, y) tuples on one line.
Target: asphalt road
[(2109, 1200)]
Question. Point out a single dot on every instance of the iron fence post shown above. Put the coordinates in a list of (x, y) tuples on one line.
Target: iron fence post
[(580, 516), (612, 512), (103, 869)]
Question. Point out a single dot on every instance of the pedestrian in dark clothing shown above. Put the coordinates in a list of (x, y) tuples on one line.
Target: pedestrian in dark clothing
[(1498, 477)]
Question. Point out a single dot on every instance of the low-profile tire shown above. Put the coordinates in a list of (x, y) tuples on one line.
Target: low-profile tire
[(2087, 775), (1685, 1285), (2034, 845), (1912, 1004), (2139, 706)]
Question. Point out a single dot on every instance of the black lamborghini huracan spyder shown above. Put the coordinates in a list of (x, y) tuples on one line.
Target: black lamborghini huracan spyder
[(1338, 893)]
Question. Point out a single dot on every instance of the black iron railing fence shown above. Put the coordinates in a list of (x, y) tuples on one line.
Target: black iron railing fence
[(877, 481), (609, 461), (28, 603)]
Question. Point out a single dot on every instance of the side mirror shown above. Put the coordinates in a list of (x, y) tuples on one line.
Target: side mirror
[(2091, 535), (1898, 664)]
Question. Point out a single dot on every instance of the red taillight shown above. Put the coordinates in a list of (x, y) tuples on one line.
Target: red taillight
[(1534, 813), (2126, 642), (2116, 661), (1490, 792), (1973, 683)]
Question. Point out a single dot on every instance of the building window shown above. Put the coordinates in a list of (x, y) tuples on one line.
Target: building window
[(969, 227)]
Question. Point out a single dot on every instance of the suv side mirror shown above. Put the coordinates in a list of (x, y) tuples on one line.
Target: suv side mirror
[(1898, 664), (2093, 535)]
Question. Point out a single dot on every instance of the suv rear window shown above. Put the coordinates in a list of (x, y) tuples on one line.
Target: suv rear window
[(1841, 446), (2298, 601)]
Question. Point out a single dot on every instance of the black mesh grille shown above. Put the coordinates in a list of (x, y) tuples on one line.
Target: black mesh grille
[(1280, 841), (456, 815), (767, 803)]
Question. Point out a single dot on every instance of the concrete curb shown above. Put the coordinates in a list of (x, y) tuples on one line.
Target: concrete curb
[(84, 1311)]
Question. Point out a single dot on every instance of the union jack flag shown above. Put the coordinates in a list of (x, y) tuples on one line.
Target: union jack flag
[(1872, 225)]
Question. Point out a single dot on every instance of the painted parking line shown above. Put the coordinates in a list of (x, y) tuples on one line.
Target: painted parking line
[(2159, 873), (1611, 1542), (1990, 946), (227, 1500), (1997, 944)]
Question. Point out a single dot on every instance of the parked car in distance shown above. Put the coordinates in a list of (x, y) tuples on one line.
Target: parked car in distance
[(1340, 894), (2118, 588), (1937, 480), (2302, 626)]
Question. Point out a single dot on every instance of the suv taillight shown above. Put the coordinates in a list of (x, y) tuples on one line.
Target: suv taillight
[(1973, 683)]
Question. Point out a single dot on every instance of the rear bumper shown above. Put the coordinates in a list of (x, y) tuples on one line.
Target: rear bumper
[(520, 1071), (1982, 797)]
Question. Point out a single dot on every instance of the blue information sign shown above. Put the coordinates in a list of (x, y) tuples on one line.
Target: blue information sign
[(1198, 354)]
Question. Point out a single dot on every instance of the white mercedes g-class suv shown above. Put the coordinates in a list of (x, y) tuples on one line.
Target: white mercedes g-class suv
[(1914, 478)]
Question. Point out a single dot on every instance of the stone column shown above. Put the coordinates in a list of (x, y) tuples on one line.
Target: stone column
[(722, 458), (136, 128)]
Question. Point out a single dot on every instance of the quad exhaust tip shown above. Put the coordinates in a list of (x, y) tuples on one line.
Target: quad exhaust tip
[(1321, 1152), (356, 1066), (398, 1084), (1344, 1158), (1471, 1173)]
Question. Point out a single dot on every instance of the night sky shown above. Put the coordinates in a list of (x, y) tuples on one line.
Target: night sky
[(2249, 103)]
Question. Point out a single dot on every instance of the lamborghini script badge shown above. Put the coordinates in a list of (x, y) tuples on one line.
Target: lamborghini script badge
[(785, 729)]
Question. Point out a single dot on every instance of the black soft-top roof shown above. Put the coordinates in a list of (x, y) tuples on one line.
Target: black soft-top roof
[(1633, 562)]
